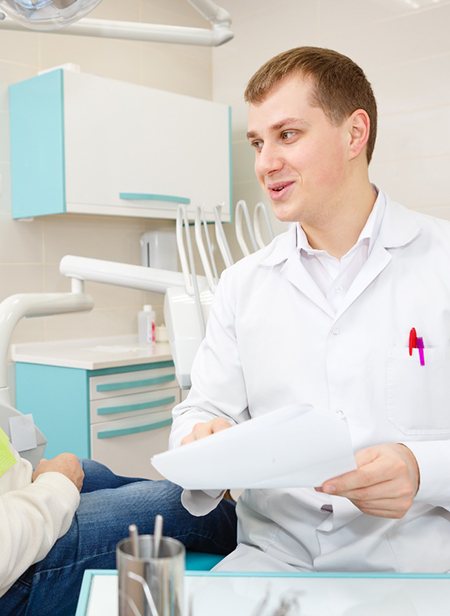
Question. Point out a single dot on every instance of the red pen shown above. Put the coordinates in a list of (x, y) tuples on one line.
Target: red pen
[(412, 340)]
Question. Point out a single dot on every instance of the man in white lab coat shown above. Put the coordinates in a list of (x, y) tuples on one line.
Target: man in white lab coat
[(348, 311)]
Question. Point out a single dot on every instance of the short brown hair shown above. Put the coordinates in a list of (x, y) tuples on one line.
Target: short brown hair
[(341, 86)]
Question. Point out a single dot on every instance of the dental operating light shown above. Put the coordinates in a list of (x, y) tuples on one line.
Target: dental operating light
[(47, 14), (59, 16)]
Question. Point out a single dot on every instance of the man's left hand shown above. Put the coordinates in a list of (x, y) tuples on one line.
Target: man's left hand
[(384, 484)]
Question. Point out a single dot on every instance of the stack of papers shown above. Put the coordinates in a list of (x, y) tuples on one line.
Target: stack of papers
[(288, 448)]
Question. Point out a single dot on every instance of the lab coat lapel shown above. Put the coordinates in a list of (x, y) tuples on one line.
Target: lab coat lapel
[(378, 259), (400, 226), (297, 275), (283, 253)]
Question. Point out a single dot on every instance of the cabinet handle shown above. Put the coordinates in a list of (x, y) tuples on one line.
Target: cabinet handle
[(135, 430), (128, 408), (130, 384), (127, 196)]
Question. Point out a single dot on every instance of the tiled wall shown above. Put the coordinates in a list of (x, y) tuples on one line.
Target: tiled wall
[(403, 45), (404, 48), (30, 251)]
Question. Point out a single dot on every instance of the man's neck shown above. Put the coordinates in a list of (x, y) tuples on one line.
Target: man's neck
[(344, 223)]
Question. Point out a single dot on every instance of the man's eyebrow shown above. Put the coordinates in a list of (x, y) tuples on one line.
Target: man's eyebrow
[(281, 124)]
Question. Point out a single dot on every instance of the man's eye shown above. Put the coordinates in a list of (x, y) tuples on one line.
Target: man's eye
[(287, 134), (257, 144)]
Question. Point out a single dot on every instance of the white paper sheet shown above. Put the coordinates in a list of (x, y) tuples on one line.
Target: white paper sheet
[(289, 448), (23, 432)]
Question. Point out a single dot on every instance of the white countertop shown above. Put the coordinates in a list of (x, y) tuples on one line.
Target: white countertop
[(91, 353), (246, 594)]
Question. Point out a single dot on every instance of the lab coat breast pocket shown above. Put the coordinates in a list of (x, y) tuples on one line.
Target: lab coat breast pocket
[(418, 397)]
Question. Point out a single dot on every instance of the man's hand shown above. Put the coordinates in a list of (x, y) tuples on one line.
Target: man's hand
[(384, 484), (200, 430), (67, 464)]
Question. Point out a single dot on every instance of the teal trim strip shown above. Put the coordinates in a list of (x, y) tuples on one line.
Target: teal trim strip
[(129, 408), (136, 430), (153, 197), (134, 384), (38, 181), (323, 574), (134, 368)]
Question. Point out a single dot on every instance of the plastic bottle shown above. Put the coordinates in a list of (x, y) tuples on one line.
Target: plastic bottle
[(146, 325)]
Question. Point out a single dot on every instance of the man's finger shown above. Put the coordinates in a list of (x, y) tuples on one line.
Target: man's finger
[(373, 473)]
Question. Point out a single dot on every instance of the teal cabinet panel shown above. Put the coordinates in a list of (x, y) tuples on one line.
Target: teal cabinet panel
[(37, 146), (58, 398)]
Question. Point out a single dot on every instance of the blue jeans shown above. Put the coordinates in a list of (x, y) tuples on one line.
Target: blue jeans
[(109, 504)]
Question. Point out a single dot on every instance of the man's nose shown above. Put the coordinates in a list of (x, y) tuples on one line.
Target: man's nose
[(269, 160)]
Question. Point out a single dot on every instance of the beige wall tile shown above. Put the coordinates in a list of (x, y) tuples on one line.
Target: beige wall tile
[(20, 278), (130, 10), (172, 12), (4, 137), (113, 322), (399, 136), (419, 183), (108, 237), (114, 58), (5, 190), (19, 47), (186, 77), (20, 241)]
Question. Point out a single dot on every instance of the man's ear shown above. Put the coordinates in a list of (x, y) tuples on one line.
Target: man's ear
[(359, 130)]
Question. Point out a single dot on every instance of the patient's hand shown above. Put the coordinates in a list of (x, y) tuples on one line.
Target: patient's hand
[(200, 430), (67, 464)]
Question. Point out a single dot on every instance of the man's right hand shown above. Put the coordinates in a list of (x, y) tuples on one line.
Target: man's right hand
[(67, 464), (200, 430)]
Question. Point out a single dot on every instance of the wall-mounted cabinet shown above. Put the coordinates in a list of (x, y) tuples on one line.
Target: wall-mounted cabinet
[(86, 144)]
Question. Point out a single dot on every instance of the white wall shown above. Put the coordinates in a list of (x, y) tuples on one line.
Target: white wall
[(405, 53), (30, 251)]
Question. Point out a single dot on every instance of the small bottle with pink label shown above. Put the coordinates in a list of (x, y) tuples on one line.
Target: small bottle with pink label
[(146, 325)]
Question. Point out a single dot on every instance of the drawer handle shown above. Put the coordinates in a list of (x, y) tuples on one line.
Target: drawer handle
[(127, 196), (132, 384), (135, 430), (129, 408)]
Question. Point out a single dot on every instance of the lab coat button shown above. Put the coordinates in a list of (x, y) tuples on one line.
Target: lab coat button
[(336, 331)]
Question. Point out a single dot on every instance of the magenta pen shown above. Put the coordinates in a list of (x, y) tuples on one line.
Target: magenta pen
[(420, 348)]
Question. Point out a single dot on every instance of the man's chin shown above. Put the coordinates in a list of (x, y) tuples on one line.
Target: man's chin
[(283, 212)]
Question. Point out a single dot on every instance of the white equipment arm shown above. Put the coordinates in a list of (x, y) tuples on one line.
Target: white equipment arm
[(181, 305), (219, 34), (15, 307)]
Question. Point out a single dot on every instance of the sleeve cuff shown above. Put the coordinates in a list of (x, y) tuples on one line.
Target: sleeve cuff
[(62, 486), (199, 502), (433, 459)]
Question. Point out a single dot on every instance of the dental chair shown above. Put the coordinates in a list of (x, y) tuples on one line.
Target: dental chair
[(187, 301)]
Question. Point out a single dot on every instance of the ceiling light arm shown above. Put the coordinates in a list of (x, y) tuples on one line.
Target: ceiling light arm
[(219, 33)]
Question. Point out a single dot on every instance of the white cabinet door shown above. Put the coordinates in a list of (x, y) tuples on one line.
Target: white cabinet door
[(127, 445), (111, 147)]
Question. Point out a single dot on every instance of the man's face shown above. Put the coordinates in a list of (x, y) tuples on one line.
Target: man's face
[(301, 158)]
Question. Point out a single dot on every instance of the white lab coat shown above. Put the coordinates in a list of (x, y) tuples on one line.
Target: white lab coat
[(272, 340)]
